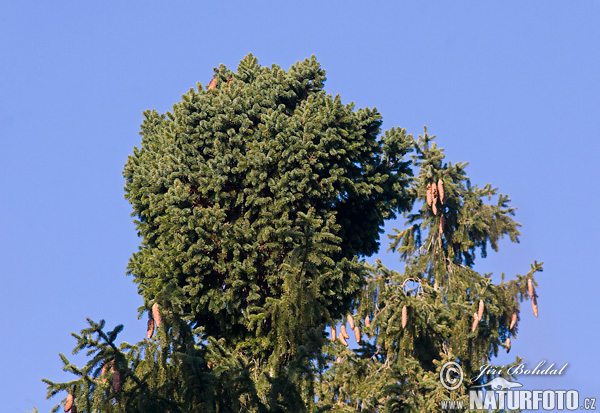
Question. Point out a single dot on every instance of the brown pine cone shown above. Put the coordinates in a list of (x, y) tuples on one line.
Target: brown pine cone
[(333, 333), (357, 334), (212, 84), (150, 329), (103, 372), (351, 322), (481, 307), (442, 224), (534, 305), (367, 321), (513, 321), (475, 322), (429, 195), (343, 331), (117, 381), (156, 314), (441, 193), (69, 402), (343, 340), (530, 288), (404, 316), (508, 344)]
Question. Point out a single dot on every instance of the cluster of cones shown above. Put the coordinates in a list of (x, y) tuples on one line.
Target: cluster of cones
[(477, 316), (116, 378), (70, 405), (435, 193), (513, 321), (343, 336)]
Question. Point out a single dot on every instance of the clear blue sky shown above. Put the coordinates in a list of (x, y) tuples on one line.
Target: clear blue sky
[(511, 87)]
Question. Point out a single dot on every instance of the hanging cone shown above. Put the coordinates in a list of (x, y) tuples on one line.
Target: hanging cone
[(333, 334), (343, 340), (117, 381), (481, 307), (513, 320), (534, 306), (442, 224), (343, 332), (508, 344), (351, 322), (367, 321), (156, 314), (404, 316), (440, 189), (475, 322), (339, 360), (530, 288), (212, 84), (429, 195), (434, 207), (103, 372), (357, 334), (150, 329), (434, 195), (69, 402)]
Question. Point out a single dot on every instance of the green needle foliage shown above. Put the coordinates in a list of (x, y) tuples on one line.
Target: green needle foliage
[(398, 368), (254, 199)]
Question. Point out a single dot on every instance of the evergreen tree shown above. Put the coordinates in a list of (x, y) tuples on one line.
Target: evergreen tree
[(438, 309), (255, 198)]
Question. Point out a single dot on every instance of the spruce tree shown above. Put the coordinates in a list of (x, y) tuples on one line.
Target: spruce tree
[(254, 198), (435, 308)]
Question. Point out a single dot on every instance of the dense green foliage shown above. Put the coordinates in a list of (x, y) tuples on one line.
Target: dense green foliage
[(232, 186), (255, 200)]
